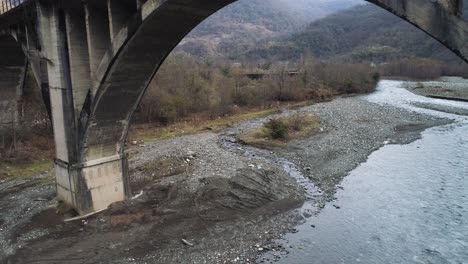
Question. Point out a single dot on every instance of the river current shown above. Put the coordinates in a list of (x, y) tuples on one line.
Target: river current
[(405, 204)]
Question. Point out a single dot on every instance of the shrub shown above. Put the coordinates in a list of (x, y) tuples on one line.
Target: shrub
[(416, 68), (297, 121), (376, 77), (184, 87), (276, 128), (277, 132)]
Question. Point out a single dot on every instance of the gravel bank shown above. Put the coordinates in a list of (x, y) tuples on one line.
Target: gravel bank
[(444, 87), (200, 204), (352, 128), (206, 198)]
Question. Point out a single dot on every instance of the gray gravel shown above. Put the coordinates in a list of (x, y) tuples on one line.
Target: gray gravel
[(20, 200), (352, 129), (228, 199)]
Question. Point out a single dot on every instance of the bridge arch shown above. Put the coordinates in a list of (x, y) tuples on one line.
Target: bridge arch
[(148, 39), (164, 25)]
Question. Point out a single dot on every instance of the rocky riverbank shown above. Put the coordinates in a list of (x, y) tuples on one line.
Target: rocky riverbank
[(451, 88), (205, 198)]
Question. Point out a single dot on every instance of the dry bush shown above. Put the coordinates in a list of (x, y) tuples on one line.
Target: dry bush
[(297, 122), (416, 68), (423, 69), (185, 86), (340, 78), (276, 131), (455, 69), (32, 134)]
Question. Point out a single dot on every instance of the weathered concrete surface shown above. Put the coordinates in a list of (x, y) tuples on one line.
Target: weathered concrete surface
[(85, 186), (78, 55), (98, 57)]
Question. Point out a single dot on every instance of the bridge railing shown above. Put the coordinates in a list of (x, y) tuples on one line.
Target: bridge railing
[(7, 5)]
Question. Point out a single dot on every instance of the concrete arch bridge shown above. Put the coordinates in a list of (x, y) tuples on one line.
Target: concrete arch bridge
[(94, 59)]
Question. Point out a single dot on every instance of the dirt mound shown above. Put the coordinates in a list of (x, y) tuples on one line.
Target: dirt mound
[(250, 189), (171, 211)]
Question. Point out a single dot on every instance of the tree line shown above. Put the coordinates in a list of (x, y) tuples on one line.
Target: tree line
[(185, 86)]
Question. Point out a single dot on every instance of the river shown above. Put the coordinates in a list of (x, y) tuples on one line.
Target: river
[(405, 204)]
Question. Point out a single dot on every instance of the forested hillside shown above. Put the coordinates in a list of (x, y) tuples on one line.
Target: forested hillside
[(243, 24), (361, 33)]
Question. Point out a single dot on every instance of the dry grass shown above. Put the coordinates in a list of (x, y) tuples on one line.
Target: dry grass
[(32, 156), (298, 126), (153, 133), (149, 133), (9, 171)]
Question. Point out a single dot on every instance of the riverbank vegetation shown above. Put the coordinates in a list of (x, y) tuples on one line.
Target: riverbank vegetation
[(27, 147), (422, 69), (191, 95), (185, 87), (277, 131)]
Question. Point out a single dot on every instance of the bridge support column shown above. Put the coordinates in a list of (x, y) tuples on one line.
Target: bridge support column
[(98, 33), (87, 185), (94, 185), (78, 55)]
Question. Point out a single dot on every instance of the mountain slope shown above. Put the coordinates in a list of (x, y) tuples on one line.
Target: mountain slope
[(241, 25), (361, 33)]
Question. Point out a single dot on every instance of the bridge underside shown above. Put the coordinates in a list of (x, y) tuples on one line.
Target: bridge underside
[(97, 58)]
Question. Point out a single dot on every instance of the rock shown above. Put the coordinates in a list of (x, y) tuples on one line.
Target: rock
[(187, 242)]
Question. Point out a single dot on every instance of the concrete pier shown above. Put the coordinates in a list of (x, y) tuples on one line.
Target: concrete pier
[(94, 185)]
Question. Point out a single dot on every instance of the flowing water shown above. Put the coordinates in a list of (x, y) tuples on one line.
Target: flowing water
[(406, 204)]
